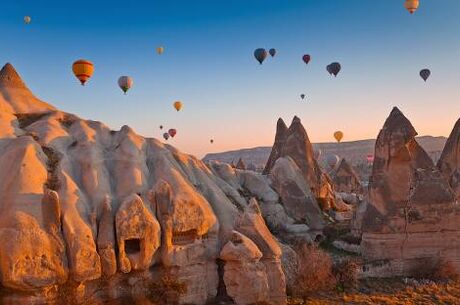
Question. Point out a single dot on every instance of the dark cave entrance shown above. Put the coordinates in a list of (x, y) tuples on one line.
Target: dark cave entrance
[(133, 246)]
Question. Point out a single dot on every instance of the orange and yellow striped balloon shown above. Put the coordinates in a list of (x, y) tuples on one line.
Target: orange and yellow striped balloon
[(83, 70)]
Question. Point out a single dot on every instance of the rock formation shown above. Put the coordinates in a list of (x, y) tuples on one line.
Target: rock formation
[(293, 142), (245, 276), (240, 164), (449, 163), (86, 202), (412, 219), (346, 180)]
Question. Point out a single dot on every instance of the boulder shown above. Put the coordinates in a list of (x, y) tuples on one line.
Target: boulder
[(245, 276), (297, 198)]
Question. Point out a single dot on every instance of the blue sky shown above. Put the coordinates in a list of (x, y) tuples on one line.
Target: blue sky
[(208, 64)]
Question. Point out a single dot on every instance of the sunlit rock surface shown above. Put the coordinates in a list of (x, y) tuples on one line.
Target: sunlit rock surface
[(412, 219)]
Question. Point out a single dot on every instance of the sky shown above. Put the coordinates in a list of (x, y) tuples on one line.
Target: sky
[(208, 64)]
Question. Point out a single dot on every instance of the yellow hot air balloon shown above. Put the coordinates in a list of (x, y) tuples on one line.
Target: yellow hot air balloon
[(160, 50), (411, 5), (338, 135), (83, 70), (27, 19), (178, 105)]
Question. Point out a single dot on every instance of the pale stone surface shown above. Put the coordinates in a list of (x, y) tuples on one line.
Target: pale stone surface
[(293, 142), (87, 202), (346, 180), (245, 276), (252, 225), (106, 241), (412, 219), (138, 235), (449, 163), (298, 200)]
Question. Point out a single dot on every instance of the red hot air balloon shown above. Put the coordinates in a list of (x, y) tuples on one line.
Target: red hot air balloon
[(370, 159), (306, 58), (172, 132)]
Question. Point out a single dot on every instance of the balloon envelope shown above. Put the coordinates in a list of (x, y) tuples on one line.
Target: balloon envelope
[(306, 58), (83, 69), (302, 96), (172, 132), (161, 126), (332, 160), (411, 5), (272, 52), (160, 50), (338, 135), (166, 136), (178, 105), (27, 19), (334, 68), (212, 141), (125, 83), (370, 158), (260, 54), (425, 74)]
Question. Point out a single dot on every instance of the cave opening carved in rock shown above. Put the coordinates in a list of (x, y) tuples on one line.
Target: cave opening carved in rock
[(133, 246)]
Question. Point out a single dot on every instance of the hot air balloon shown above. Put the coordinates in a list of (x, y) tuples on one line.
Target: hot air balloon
[(172, 132), (160, 50), (334, 68), (83, 70), (370, 158), (125, 83), (332, 160), (166, 136), (212, 141), (302, 96), (272, 52), (317, 153), (425, 74), (306, 58), (27, 19), (178, 105), (338, 135), (161, 126), (260, 55), (411, 5)]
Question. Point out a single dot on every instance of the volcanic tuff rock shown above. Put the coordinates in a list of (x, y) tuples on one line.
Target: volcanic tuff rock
[(412, 219), (346, 180), (449, 163), (80, 201), (294, 142)]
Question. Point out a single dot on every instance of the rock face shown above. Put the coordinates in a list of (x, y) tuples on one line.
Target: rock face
[(293, 142), (412, 219), (138, 235), (245, 276), (449, 163), (240, 164), (86, 202), (297, 198), (346, 180)]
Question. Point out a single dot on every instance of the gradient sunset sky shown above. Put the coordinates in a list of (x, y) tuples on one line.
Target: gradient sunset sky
[(209, 65)]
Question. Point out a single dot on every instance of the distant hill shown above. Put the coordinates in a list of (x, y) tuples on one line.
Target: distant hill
[(355, 152)]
